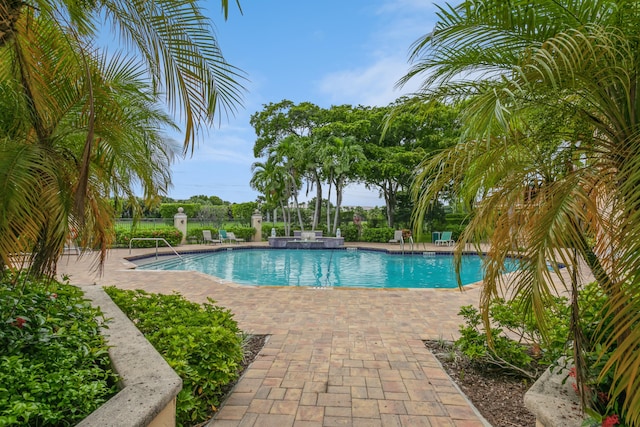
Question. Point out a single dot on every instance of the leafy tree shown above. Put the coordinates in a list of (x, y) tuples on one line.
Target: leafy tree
[(340, 152), (341, 156), (216, 201), (44, 149), (206, 200), (242, 211), (290, 156), (295, 123), (400, 136), (550, 157)]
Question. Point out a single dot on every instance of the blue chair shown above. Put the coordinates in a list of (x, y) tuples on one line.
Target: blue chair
[(445, 239), (223, 236)]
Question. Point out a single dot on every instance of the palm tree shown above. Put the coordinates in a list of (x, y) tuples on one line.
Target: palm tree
[(294, 122), (551, 152), (269, 178), (289, 154), (341, 156), (38, 209), (62, 105)]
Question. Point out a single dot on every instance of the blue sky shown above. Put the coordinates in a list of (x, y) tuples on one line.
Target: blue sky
[(328, 53)]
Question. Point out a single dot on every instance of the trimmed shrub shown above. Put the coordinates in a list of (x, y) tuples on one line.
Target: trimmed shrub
[(202, 343), (54, 364), (381, 235), (243, 232), (350, 233), (170, 234)]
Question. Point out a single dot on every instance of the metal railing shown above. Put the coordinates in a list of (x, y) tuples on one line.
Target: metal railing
[(402, 244), (157, 239)]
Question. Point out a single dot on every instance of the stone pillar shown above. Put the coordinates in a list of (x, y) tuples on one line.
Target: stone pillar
[(256, 222), (180, 222)]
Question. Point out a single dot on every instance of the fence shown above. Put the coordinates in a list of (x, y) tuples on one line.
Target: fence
[(153, 223), (143, 223)]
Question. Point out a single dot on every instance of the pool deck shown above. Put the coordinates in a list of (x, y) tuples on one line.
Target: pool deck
[(334, 357)]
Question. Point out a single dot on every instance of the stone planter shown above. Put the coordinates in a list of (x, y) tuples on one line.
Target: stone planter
[(148, 384), (553, 403)]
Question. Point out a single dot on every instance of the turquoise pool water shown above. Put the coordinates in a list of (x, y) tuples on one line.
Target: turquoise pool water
[(327, 268)]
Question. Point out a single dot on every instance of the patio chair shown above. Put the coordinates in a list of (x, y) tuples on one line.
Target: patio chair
[(445, 239), (397, 237), (206, 237), (232, 238), (222, 234)]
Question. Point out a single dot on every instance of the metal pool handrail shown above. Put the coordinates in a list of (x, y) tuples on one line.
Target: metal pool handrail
[(402, 244), (156, 239)]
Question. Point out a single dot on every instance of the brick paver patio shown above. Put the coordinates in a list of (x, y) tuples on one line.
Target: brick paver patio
[(334, 357)]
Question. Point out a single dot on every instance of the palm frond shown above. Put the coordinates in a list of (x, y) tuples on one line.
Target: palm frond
[(184, 58)]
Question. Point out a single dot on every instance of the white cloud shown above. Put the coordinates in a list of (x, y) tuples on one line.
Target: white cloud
[(375, 83), (372, 85)]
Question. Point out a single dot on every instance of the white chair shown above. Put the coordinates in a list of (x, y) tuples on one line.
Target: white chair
[(206, 237), (397, 237), (232, 237)]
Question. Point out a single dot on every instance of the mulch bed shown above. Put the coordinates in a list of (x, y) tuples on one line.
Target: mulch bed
[(499, 397), (251, 346)]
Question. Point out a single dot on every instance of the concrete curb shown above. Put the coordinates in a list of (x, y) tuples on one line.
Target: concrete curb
[(149, 385)]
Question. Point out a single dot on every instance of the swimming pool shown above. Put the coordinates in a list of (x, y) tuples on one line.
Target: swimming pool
[(328, 268)]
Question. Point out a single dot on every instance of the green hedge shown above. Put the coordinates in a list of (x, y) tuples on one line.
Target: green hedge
[(457, 218), (266, 230), (350, 232), (381, 235), (54, 365), (202, 343), (194, 234), (245, 233), (170, 234)]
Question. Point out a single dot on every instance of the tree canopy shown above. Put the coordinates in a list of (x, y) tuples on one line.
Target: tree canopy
[(344, 144)]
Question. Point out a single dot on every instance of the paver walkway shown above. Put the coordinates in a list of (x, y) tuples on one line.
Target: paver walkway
[(335, 357)]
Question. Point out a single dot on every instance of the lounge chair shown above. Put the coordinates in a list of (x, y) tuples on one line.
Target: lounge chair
[(232, 237), (445, 239), (228, 236), (397, 237), (206, 237), (223, 235)]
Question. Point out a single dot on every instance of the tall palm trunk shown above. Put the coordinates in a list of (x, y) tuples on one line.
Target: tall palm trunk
[(336, 215), (318, 207), (295, 200), (329, 207), (285, 219)]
